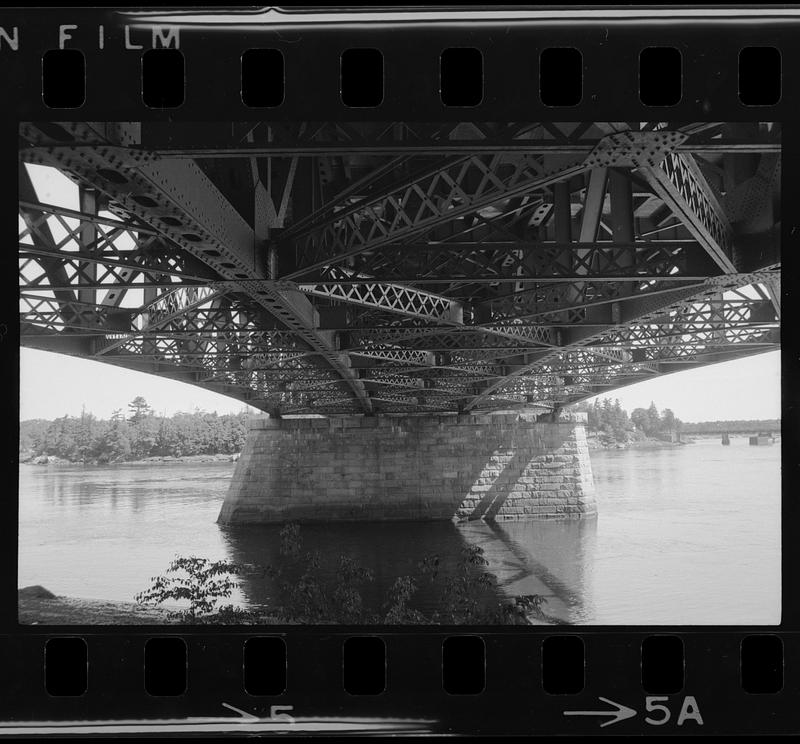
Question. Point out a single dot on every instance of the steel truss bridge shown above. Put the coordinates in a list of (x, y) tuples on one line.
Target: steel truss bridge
[(345, 267)]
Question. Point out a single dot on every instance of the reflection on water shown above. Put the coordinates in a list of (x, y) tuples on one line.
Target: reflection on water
[(684, 535), (548, 558), (389, 550)]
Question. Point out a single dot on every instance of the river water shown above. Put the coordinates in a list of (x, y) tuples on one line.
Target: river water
[(684, 535)]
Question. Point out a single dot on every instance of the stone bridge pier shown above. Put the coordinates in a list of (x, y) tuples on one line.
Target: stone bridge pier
[(501, 466)]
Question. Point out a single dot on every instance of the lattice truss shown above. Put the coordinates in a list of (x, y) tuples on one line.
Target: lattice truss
[(189, 327), (401, 267)]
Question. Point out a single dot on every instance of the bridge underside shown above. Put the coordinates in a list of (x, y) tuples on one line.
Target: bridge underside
[(401, 267)]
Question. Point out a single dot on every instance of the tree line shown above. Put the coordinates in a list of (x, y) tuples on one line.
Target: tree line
[(133, 436), (612, 422)]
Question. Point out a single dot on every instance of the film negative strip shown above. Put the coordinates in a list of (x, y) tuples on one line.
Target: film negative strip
[(410, 248)]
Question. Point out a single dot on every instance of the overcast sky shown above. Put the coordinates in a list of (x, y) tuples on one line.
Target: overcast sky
[(53, 385)]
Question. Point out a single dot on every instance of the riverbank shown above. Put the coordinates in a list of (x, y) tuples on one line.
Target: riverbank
[(35, 608), (38, 606), (73, 611), (594, 443), (592, 440), (53, 460)]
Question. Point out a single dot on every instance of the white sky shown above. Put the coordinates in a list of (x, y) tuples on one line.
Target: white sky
[(742, 389), (53, 385)]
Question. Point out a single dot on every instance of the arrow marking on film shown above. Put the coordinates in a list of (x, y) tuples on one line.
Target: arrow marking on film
[(620, 714), (245, 716)]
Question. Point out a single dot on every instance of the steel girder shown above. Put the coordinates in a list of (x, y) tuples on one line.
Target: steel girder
[(182, 203), (411, 138), (524, 262), (395, 298), (682, 186), (438, 195), (443, 279), (696, 306)]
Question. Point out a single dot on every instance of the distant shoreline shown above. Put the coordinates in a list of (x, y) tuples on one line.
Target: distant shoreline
[(54, 460), (592, 440), (647, 444), (595, 444)]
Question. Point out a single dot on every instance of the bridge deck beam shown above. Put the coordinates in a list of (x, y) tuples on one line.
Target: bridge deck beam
[(402, 268)]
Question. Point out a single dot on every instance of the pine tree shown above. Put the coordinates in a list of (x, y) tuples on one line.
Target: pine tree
[(139, 409), (653, 420)]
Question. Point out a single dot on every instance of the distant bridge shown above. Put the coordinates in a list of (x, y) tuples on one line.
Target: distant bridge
[(405, 267), (774, 427)]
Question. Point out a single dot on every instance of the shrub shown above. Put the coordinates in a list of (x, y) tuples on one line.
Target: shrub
[(203, 583), (307, 596)]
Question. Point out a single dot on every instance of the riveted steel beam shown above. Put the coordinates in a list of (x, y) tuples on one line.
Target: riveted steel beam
[(459, 189), (314, 139), (681, 185), (394, 298), (179, 200), (468, 270), (523, 261), (533, 147), (640, 313)]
